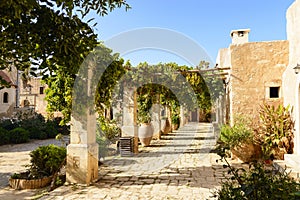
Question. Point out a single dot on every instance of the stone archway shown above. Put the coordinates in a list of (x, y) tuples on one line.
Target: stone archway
[(82, 153)]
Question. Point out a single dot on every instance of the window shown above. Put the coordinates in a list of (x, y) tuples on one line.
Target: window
[(274, 92), (41, 90), (5, 97)]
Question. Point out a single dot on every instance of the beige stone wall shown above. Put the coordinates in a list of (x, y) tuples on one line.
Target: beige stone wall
[(291, 81), (223, 58), (7, 109), (34, 96), (255, 67)]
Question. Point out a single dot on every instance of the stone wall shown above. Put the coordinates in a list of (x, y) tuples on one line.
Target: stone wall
[(7, 108), (35, 95), (255, 67)]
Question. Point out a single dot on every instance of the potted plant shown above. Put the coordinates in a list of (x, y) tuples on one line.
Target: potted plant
[(145, 132), (45, 163), (275, 133), (239, 139), (175, 119)]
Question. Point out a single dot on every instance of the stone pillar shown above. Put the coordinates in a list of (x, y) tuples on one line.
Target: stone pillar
[(130, 127), (82, 153), (182, 117), (156, 123)]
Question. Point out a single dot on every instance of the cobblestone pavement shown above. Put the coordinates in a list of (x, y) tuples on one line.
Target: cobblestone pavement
[(179, 166)]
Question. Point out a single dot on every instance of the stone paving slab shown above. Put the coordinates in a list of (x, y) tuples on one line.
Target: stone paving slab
[(177, 167), (180, 166)]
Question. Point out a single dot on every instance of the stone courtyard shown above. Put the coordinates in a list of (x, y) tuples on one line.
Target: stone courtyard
[(179, 166)]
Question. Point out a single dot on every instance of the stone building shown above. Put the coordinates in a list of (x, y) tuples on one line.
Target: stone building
[(21, 95), (264, 72), (32, 95), (255, 72), (8, 95)]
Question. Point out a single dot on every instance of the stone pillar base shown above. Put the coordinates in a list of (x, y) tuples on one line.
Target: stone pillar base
[(82, 163)]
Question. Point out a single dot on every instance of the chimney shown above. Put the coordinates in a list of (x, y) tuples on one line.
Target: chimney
[(240, 36)]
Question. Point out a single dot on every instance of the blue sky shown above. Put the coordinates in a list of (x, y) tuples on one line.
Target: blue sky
[(207, 22)]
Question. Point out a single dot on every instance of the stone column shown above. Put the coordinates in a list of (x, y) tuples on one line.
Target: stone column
[(182, 117), (156, 123), (130, 127), (82, 153)]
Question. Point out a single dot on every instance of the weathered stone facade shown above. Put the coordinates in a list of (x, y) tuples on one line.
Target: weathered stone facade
[(8, 96), (33, 95), (254, 75)]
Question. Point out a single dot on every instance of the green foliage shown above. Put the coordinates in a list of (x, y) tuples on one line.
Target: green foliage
[(175, 110), (108, 129), (35, 125), (276, 130), (144, 102), (4, 135), (240, 132), (258, 182), (48, 38), (18, 135), (46, 160), (8, 124), (51, 129), (48, 33), (59, 94)]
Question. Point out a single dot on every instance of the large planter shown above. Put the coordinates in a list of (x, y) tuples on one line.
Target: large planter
[(247, 152), (175, 127), (145, 134), (23, 183), (165, 126)]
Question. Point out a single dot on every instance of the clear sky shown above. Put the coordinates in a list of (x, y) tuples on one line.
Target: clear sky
[(207, 22)]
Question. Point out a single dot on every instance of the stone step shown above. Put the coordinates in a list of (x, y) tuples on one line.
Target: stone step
[(290, 164)]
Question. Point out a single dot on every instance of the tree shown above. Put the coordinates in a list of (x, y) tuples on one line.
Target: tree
[(48, 35), (49, 38)]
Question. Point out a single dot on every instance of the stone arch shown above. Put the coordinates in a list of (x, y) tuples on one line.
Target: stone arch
[(82, 153)]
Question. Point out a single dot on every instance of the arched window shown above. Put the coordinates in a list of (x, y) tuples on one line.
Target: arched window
[(5, 97)]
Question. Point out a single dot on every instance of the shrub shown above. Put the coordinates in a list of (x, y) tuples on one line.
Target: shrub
[(51, 129), (257, 182), (237, 134), (8, 124), (46, 160), (4, 135), (275, 133), (108, 129), (18, 135), (35, 124)]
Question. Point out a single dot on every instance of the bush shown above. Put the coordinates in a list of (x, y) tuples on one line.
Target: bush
[(18, 135), (275, 133), (51, 129), (237, 134), (257, 183), (8, 124), (4, 135), (46, 160), (36, 126)]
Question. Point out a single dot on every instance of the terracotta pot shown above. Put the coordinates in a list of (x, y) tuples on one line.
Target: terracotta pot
[(145, 134), (20, 184), (166, 126), (175, 126), (247, 152)]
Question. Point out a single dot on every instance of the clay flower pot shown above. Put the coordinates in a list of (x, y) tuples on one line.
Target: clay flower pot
[(145, 133), (22, 182)]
